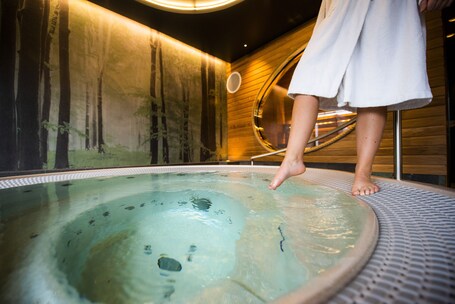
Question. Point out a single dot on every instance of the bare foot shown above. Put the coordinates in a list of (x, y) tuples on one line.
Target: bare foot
[(363, 185), (286, 170)]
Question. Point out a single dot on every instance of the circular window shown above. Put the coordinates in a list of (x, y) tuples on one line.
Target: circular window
[(273, 111), (233, 82)]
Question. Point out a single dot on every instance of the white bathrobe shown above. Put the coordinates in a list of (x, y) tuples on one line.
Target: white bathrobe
[(365, 53)]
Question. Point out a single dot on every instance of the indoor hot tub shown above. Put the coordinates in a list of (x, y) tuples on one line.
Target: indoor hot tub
[(179, 234)]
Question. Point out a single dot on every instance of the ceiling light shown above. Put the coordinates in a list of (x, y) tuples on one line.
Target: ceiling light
[(191, 6)]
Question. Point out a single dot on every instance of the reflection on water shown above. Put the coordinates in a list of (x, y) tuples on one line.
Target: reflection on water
[(193, 238)]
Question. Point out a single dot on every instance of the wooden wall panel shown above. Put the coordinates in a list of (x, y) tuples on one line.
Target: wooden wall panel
[(424, 130)]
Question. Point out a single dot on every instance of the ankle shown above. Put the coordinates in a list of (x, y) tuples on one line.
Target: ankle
[(363, 171), (293, 159)]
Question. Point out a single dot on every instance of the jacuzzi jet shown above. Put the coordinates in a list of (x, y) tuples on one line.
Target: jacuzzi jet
[(169, 264), (202, 204), (148, 249), (190, 253), (168, 291)]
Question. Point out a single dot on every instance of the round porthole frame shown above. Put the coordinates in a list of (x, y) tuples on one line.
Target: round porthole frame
[(233, 82), (264, 93)]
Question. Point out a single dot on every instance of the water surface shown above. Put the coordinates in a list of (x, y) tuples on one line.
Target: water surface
[(207, 237)]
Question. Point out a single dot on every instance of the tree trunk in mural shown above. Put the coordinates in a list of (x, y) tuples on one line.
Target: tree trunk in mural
[(208, 118), (103, 45), (101, 142), (61, 153), (87, 118), (211, 120), (204, 100), (185, 146), (7, 98), (44, 26), (46, 80), (153, 101), (94, 139), (31, 16), (163, 109), (91, 138)]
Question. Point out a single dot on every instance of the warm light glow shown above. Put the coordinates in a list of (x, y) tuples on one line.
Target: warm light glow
[(452, 20), (85, 7), (450, 35), (191, 6), (333, 113), (331, 122)]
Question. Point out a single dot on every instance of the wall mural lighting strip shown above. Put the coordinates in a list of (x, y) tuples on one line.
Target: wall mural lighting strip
[(189, 6)]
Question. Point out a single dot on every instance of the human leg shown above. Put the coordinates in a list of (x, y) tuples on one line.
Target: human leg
[(304, 114), (369, 130)]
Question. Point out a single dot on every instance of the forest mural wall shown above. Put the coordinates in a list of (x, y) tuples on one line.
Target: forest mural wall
[(82, 87)]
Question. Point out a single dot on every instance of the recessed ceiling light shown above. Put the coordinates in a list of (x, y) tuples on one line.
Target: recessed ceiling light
[(191, 6)]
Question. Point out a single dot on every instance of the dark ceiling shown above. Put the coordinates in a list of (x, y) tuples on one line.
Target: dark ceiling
[(223, 34)]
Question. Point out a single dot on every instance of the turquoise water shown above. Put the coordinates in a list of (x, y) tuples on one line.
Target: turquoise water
[(210, 237)]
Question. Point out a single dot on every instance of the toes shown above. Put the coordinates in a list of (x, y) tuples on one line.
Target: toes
[(365, 190), (371, 190), (274, 184)]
